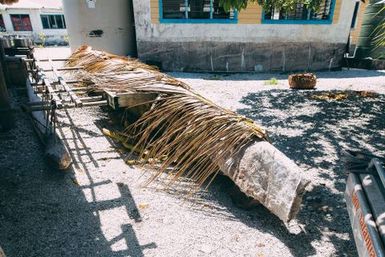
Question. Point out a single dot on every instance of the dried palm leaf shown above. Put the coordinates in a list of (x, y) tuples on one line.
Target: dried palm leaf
[(190, 130), (103, 68), (187, 131), (8, 1)]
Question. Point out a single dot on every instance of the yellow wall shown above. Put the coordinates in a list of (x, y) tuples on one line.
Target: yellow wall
[(251, 15), (337, 10), (154, 5), (355, 32)]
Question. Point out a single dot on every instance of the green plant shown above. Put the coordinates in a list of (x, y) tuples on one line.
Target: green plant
[(379, 35), (66, 39), (272, 81), (271, 4), (42, 38)]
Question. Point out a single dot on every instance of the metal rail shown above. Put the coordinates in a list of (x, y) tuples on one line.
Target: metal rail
[(365, 200), (58, 91), (55, 91)]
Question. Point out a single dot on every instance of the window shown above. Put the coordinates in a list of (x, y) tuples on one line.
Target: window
[(53, 21), (301, 14), (2, 25), (21, 22), (194, 11)]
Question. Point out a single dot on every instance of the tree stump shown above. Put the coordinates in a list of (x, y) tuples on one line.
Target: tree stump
[(302, 81)]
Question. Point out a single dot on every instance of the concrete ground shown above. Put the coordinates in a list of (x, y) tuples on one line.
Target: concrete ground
[(100, 208)]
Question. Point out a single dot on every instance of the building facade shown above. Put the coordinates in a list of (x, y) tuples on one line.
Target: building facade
[(367, 17), (43, 21), (198, 35)]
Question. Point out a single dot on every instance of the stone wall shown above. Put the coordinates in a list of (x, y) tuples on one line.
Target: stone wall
[(248, 45), (241, 57)]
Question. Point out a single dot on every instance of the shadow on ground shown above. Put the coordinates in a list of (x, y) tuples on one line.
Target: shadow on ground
[(312, 132), (44, 212)]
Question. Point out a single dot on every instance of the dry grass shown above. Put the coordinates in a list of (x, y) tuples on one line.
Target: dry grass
[(8, 1)]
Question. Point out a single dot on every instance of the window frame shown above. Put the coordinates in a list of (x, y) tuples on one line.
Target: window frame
[(2, 23), (19, 15), (49, 22), (304, 22), (356, 11), (197, 21)]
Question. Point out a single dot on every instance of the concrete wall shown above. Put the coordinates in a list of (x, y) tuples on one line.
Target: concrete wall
[(113, 18), (37, 26), (245, 46)]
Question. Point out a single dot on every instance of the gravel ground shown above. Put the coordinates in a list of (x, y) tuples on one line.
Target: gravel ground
[(99, 207)]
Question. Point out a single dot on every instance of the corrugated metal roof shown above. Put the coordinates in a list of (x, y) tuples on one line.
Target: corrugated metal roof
[(34, 4)]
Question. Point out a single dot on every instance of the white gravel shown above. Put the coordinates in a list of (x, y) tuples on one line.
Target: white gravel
[(228, 89), (100, 209)]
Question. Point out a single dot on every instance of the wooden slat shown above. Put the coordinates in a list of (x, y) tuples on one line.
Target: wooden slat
[(66, 106), (72, 95), (58, 69), (52, 93)]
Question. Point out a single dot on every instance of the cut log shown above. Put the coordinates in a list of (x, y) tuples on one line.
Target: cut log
[(264, 173), (260, 171), (195, 134)]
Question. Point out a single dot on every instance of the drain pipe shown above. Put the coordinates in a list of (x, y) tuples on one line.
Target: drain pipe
[(346, 54)]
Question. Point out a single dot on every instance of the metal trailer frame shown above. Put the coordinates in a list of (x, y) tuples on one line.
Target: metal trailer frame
[(52, 92), (365, 200)]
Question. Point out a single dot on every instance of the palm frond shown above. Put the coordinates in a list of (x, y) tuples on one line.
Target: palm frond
[(378, 35), (8, 1), (125, 73), (182, 128)]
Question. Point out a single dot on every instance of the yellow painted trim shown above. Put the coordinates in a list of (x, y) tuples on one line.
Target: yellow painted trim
[(154, 8), (355, 32), (337, 10), (251, 15)]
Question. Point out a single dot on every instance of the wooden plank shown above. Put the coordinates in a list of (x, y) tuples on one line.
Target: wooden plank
[(58, 69), (67, 89), (52, 93), (35, 108), (127, 100), (41, 88), (46, 60), (72, 95)]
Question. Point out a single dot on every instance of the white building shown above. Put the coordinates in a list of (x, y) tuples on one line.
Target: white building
[(42, 20)]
